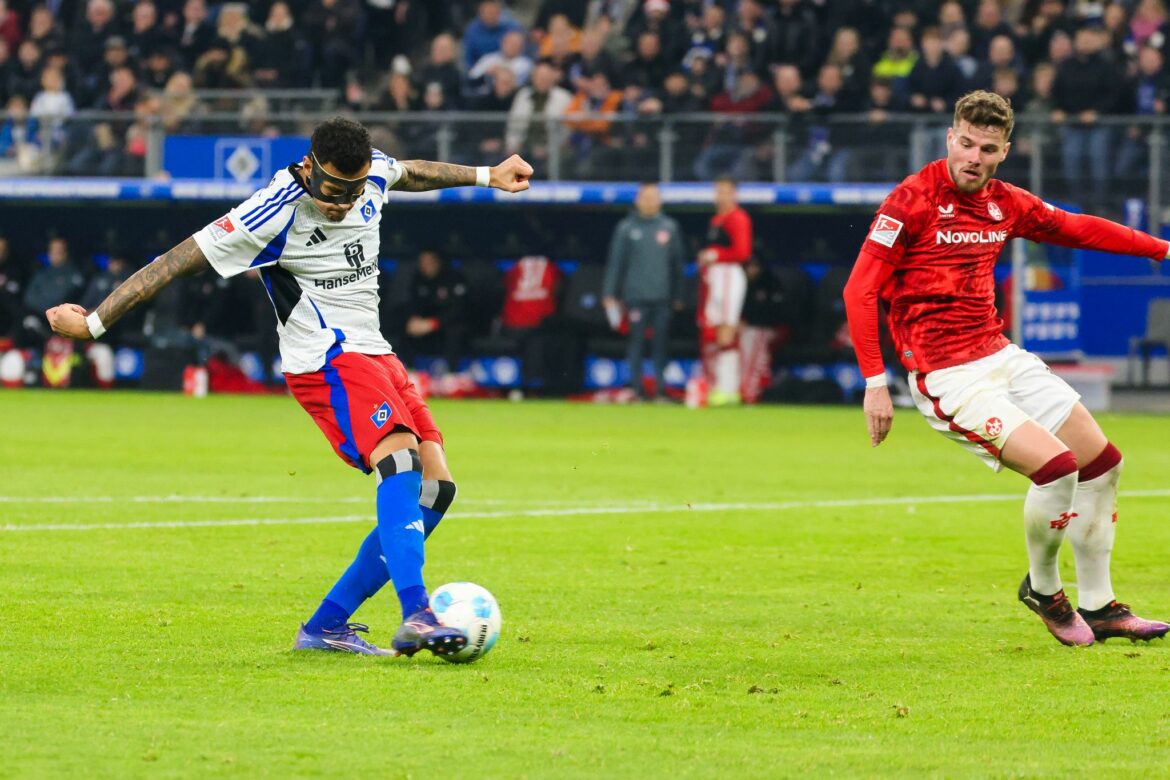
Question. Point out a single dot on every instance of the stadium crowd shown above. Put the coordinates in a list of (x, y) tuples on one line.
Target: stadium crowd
[(608, 70)]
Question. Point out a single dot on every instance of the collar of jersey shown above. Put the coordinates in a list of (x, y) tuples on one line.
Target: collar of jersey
[(295, 170)]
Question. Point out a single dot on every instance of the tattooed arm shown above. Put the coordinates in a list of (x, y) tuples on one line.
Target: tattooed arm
[(511, 175), (186, 259)]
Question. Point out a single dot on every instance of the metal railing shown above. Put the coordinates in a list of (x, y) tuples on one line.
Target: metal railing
[(1098, 166)]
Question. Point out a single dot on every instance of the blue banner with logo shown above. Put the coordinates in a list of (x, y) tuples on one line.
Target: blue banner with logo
[(226, 158)]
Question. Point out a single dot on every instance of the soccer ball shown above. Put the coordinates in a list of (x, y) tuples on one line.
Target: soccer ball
[(471, 609)]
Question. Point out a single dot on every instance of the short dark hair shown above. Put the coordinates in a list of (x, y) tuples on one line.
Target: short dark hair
[(342, 142), (986, 109)]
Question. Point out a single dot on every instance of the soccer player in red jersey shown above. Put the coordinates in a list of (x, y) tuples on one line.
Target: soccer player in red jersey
[(724, 285), (929, 256)]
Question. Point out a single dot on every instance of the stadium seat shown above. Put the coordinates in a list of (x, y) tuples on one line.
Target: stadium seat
[(1157, 335)]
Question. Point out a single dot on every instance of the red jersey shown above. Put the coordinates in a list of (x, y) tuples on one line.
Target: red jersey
[(530, 292), (930, 255), (730, 235)]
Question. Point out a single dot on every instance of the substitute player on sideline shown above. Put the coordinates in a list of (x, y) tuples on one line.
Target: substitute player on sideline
[(721, 294), (313, 233), (930, 255)]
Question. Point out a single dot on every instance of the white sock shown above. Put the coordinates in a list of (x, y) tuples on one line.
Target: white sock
[(1091, 534), (1046, 516), (727, 371)]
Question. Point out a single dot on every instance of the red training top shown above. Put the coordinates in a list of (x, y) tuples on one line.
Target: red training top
[(530, 292), (930, 255), (730, 235)]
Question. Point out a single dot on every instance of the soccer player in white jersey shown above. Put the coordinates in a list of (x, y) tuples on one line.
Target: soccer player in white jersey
[(312, 233)]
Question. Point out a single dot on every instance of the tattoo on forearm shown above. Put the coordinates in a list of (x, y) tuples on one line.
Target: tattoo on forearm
[(423, 175), (184, 260)]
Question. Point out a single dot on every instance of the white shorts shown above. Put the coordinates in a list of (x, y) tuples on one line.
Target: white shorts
[(726, 286), (979, 404)]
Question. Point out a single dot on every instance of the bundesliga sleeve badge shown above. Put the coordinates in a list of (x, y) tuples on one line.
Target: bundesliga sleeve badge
[(885, 230)]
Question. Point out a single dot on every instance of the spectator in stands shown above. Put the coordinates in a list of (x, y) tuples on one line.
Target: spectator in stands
[(846, 54), (755, 25), (1119, 45), (97, 151), (145, 35), (1060, 48), (196, 34), (48, 283), (898, 60), (574, 10), (43, 28), (122, 93), (510, 55), (648, 67), (179, 106), (88, 41), (711, 33), (486, 32), (935, 82), (532, 290), (958, 46), (883, 156), (1148, 93), (11, 30), (1048, 19), (1085, 89), (562, 45), (534, 109), (24, 75), (12, 277), (53, 101), (281, 56), (20, 147), (334, 28), (797, 39), (433, 320), (498, 101), (827, 149), (1150, 23), (644, 278), (589, 118), (592, 58), (989, 22), (399, 95), (729, 151), (222, 66), (441, 69), (656, 18), (789, 87), (951, 16), (158, 67), (734, 60)]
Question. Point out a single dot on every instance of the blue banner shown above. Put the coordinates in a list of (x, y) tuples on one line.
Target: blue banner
[(224, 158)]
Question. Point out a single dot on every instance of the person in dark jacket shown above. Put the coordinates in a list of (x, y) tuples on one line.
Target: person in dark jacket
[(60, 280), (1087, 87), (433, 319), (644, 276)]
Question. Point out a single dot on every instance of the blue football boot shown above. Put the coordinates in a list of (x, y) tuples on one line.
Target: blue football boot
[(343, 639), (421, 631)]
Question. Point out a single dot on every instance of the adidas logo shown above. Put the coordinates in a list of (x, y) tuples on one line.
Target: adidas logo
[(317, 237), (417, 525)]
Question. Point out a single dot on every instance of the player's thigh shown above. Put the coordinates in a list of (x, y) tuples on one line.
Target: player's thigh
[(392, 442), (434, 461), (1081, 434), (1030, 447), (412, 401), (967, 407)]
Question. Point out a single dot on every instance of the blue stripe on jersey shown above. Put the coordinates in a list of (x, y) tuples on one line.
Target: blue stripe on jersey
[(339, 400), (379, 181), (271, 253), (274, 197), (271, 211), (320, 318)]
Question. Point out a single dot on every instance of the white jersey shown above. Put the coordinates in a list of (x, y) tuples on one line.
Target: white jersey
[(322, 276)]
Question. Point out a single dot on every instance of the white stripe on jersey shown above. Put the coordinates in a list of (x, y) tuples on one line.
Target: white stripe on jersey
[(324, 290)]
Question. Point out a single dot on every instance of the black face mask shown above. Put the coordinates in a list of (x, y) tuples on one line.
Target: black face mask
[(351, 189)]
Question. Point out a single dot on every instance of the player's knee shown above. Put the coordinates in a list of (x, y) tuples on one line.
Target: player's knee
[(398, 462), (1109, 461), (1058, 468), (438, 494)]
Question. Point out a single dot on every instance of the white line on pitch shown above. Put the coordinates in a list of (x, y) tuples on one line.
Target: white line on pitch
[(181, 499), (658, 508)]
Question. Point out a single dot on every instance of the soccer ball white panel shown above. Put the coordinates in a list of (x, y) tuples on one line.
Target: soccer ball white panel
[(470, 608)]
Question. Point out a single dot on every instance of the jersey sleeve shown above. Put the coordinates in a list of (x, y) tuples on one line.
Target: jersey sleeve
[(385, 172), (1040, 221), (739, 228), (893, 225), (253, 234)]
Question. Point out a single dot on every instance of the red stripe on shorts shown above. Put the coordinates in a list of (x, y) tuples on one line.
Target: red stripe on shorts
[(950, 421)]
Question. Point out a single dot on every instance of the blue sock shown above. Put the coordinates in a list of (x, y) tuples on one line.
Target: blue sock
[(435, 500), (400, 526), (364, 577), (329, 615)]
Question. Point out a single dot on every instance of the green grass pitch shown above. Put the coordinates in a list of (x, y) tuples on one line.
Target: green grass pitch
[(719, 593)]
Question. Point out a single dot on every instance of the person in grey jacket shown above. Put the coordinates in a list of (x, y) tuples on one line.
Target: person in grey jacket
[(644, 274)]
